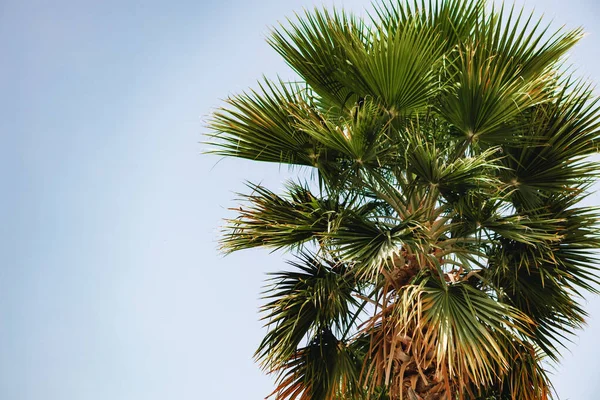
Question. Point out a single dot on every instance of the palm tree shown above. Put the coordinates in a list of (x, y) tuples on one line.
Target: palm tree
[(440, 249)]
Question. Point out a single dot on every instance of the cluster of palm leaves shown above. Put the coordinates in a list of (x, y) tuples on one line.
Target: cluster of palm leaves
[(441, 248)]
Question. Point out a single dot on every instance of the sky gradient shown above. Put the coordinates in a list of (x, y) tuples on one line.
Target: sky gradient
[(111, 284)]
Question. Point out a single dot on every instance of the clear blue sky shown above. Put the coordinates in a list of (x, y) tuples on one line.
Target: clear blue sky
[(111, 286)]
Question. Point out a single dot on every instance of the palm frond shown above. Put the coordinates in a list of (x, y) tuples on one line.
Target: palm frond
[(523, 43), (325, 369), (455, 331), (564, 133), (299, 216), (315, 296), (362, 137), (455, 177), (260, 126), (452, 19), (398, 67), (370, 244), (525, 379), (316, 47), (486, 96), (274, 221)]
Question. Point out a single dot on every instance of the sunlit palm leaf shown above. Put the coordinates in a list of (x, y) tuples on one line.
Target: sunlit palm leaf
[(523, 43), (452, 19), (487, 96), (463, 326), (398, 68)]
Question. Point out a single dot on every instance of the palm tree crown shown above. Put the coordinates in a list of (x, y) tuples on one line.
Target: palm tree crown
[(442, 249)]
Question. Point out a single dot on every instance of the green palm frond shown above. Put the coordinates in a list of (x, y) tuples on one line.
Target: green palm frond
[(487, 95), (317, 295), (530, 230), (463, 327), (259, 126), (274, 221), (362, 137), (453, 20), (564, 133), (553, 308), (575, 255), (324, 369), (522, 43), (398, 67), (455, 177), (370, 244), (317, 46)]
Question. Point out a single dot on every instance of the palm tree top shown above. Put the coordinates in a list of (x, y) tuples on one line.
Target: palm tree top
[(442, 248)]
